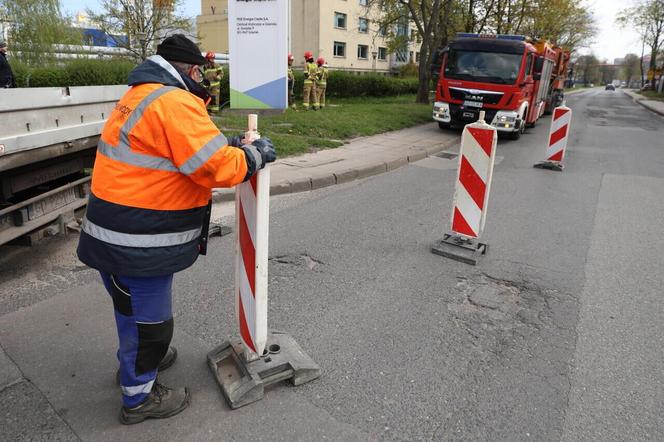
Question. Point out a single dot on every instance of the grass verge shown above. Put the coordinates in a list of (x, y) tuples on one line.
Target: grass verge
[(299, 131), (652, 95)]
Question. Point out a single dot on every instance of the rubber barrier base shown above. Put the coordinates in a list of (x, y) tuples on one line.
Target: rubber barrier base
[(550, 165), (243, 382), (460, 248)]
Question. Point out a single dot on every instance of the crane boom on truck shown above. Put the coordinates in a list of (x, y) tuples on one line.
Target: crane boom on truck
[(511, 78)]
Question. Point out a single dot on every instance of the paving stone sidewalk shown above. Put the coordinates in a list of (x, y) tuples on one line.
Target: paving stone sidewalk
[(359, 158), (653, 105)]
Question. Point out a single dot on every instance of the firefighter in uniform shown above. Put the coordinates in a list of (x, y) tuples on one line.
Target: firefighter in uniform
[(158, 158), (291, 82), (321, 83), (309, 88), (212, 75)]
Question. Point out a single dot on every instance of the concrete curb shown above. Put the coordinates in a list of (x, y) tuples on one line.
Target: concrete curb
[(343, 175), (645, 102)]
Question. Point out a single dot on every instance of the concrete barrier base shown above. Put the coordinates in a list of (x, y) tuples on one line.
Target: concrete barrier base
[(243, 382)]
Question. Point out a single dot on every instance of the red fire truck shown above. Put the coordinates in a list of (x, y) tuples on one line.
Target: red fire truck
[(513, 79)]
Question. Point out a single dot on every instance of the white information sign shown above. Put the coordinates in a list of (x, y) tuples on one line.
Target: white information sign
[(258, 44)]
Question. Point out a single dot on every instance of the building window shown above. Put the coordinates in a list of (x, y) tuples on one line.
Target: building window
[(410, 57), (363, 2), (362, 52), (364, 25), (382, 54), (402, 29), (339, 20), (401, 56), (417, 57), (339, 49), (382, 31)]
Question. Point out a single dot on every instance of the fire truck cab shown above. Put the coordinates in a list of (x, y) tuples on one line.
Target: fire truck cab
[(507, 76)]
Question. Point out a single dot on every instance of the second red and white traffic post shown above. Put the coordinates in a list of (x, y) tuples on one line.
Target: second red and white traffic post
[(471, 195)]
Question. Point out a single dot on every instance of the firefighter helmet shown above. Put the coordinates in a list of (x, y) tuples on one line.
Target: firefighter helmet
[(320, 61), (290, 57), (308, 55), (210, 55)]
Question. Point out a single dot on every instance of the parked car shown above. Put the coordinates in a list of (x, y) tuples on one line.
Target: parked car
[(610, 87)]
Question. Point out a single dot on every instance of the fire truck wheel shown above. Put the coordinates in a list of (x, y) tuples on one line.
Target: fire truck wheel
[(444, 126), (517, 133)]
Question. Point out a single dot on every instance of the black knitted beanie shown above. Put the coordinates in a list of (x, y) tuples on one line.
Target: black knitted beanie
[(179, 48)]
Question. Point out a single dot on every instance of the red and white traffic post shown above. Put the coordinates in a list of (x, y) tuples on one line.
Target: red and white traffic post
[(471, 196), (557, 141), (252, 220), (244, 366)]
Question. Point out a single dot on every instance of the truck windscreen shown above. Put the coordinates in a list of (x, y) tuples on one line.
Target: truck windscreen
[(484, 67)]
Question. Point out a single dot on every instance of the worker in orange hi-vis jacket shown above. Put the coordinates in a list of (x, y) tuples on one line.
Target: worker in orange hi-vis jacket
[(158, 158)]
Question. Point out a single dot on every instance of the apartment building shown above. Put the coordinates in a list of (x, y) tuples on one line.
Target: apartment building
[(344, 32), (212, 25)]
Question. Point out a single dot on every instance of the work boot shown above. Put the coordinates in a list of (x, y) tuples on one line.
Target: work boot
[(168, 360), (162, 402)]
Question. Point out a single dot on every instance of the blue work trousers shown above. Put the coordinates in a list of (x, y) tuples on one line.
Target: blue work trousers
[(144, 320)]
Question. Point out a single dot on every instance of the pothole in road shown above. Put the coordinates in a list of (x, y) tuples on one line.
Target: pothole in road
[(489, 307), (447, 155), (297, 260)]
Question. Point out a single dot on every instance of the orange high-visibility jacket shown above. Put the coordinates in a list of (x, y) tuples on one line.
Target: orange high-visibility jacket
[(158, 158)]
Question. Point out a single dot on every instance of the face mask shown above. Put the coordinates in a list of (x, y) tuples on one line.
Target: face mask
[(196, 88)]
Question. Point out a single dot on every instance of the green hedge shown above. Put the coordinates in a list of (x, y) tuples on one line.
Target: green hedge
[(100, 72), (74, 73), (345, 84)]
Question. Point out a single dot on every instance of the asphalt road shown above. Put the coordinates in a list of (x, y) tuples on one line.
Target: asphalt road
[(556, 335)]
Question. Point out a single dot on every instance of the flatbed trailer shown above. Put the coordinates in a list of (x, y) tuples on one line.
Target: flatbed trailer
[(47, 146)]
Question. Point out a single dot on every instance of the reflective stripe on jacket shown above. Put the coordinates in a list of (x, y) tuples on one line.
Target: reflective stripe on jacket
[(158, 157), (213, 75)]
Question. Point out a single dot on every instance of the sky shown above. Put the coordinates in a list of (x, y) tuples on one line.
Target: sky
[(610, 42)]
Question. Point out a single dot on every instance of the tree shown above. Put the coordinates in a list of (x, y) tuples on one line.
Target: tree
[(607, 72), (138, 25), (564, 21), (647, 17), (630, 67), (425, 15), (588, 67), (35, 26)]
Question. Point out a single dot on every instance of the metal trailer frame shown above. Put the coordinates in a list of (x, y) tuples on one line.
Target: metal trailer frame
[(50, 135)]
